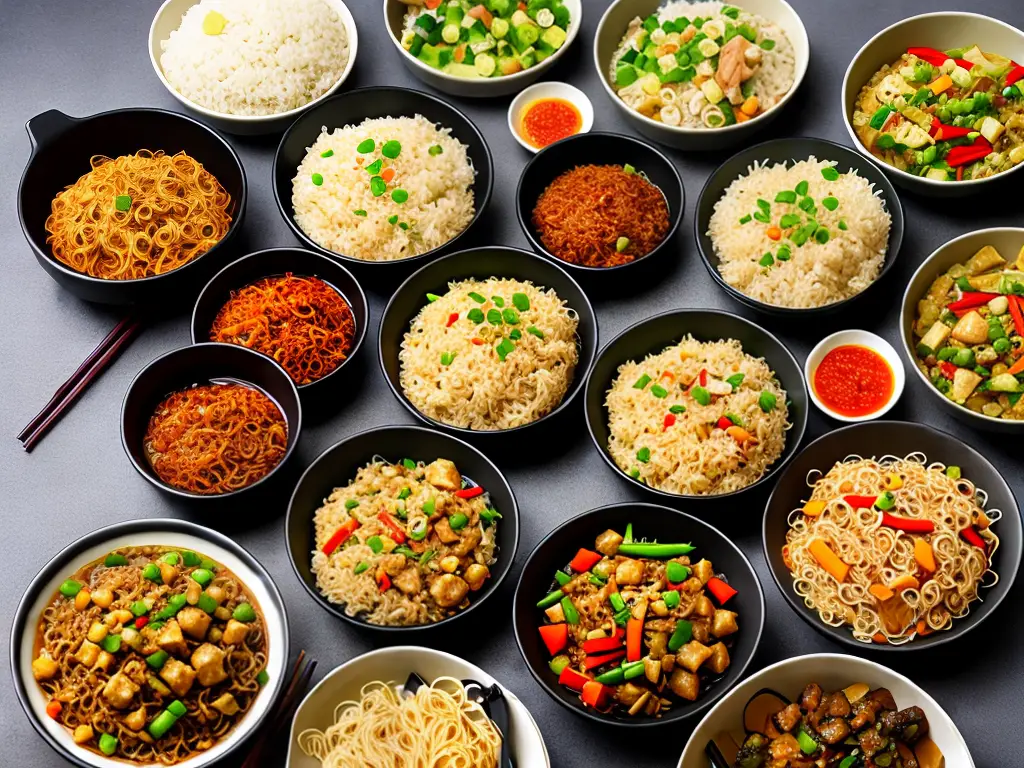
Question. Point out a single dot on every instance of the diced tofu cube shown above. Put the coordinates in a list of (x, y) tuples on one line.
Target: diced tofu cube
[(87, 653), (629, 572), (719, 660), (965, 381), (685, 685), (178, 675), (692, 655), (724, 623), (119, 690), (443, 474), (194, 622), (226, 705), (991, 129), (235, 632), (208, 661), (136, 720), (703, 569), (704, 606), (105, 661), (712, 91), (971, 329), (44, 668), (936, 335), (171, 640)]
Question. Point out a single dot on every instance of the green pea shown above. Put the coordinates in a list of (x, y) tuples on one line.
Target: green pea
[(391, 149), (964, 358), (1002, 345), (152, 573), (70, 588), (244, 612), (202, 576), (108, 744), (458, 521), (366, 146), (113, 560)]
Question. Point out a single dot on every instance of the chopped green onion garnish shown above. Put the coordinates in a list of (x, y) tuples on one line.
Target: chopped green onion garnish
[(327, 153), (477, 297), (767, 260), (533, 330), (393, 219), (842, 225), (627, 168), (408, 463), (432, 297), (402, 225), (359, 212), (786, 196), (366, 146), (351, 503), (659, 391), (831, 203), (521, 301), (498, 301), (802, 187), (634, 472), (391, 149), (494, 316), (643, 455), (504, 348), (399, 195), (375, 167), (378, 186), (475, 315), (642, 382), (830, 174), (317, 179), (767, 44), (821, 235), (677, 409), (746, 219), (435, 150), (447, 358), (789, 220), (510, 316), (764, 205), (361, 567)]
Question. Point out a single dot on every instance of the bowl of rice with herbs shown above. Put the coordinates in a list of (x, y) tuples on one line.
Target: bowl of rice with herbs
[(250, 66), (798, 225)]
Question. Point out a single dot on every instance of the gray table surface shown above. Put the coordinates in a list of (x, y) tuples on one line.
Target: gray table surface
[(92, 56)]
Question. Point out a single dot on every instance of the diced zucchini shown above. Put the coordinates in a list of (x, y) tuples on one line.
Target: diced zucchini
[(499, 28), (545, 18), (462, 70), (519, 18), (426, 22), (431, 55), (1004, 382), (561, 16), (626, 74), (499, 8), (509, 65), (528, 58), (485, 64), (483, 46), (936, 336), (938, 174), (522, 36), (553, 39)]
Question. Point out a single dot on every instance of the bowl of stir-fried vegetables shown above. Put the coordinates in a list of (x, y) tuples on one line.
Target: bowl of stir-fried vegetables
[(963, 327), (938, 101)]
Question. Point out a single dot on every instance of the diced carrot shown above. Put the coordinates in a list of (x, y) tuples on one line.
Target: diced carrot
[(739, 434), (432, 4), (923, 630), (668, 375), (879, 638), (941, 83), (634, 633), (741, 117), (774, 233), (749, 106), (555, 637), (481, 12), (1017, 367), (828, 559), (585, 560), (460, 54), (388, 174), (814, 508), (845, 487), (477, 340), (786, 559), (906, 581), (881, 592), (924, 555), (572, 679), (53, 708), (959, 173), (521, 6), (594, 694)]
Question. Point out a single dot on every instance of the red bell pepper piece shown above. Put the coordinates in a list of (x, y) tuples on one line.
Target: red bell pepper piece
[(584, 560), (947, 369), (1017, 313), (384, 582), (722, 591), (931, 55), (432, 4), (634, 636), (572, 679), (595, 694), (670, 419), (971, 537), (703, 377), (452, 318), (971, 300), (908, 524), (593, 662), (943, 132), (968, 65), (141, 622), (555, 637), (1015, 74), (602, 645), (344, 531), (470, 493), (397, 532), (966, 155), (860, 502)]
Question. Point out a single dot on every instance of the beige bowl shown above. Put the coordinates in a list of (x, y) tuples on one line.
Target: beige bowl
[(168, 19), (942, 30), (613, 26), (482, 87)]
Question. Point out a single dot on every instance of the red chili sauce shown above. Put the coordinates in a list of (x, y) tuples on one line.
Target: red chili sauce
[(852, 381), (546, 121)]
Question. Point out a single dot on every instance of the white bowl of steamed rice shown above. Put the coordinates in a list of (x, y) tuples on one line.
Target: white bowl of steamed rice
[(251, 66), (701, 75), (797, 226)]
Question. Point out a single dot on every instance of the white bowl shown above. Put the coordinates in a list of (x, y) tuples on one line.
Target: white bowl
[(168, 19), (163, 532), (613, 26), (942, 30), (549, 90), (394, 664), (482, 87), (832, 671), (863, 339)]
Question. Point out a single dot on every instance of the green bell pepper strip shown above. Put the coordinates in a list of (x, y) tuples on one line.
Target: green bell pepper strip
[(572, 616)]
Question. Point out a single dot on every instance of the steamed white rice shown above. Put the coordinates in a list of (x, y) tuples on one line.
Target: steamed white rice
[(344, 215), (816, 274), (270, 57)]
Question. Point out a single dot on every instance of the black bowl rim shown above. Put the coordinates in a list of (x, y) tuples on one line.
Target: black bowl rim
[(293, 429), (841, 634), (481, 201), (676, 219), (330, 264), (698, 707), (837, 151), (907, 310), (337, 610), (236, 221), (581, 377), (796, 432), (98, 536)]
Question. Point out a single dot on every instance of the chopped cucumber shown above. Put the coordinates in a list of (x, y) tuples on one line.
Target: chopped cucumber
[(485, 64)]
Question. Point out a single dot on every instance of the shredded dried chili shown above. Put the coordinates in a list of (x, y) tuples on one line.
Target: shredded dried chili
[(301, 322), (587, 211), (215, 438)]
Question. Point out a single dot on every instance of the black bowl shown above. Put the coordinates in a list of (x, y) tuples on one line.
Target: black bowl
[(482, 263), (201, 364), (94, 545), (61, 148), (351, 108), (652, 522), (338, 465), (785, 151), (598, 148), (274, 262), (896, 438), (651, 336)]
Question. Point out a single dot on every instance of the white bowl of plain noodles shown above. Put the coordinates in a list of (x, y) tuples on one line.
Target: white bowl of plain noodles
[(312, 732)]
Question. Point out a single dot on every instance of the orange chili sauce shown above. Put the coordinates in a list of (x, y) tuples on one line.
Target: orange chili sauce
[(852, 380), (546, 121)]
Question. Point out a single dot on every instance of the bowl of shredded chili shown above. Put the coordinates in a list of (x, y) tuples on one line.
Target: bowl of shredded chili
[(303, 310), (599, 202), (210, 421)]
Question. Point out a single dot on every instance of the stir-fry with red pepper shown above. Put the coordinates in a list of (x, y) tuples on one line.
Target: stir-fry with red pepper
[(636, 625), (969, 334), (945, 115)]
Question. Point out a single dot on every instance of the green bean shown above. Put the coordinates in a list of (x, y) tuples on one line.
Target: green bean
[(644, 549)]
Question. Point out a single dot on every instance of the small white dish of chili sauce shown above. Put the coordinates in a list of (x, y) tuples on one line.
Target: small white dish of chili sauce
[(854, 376), (548, 112)]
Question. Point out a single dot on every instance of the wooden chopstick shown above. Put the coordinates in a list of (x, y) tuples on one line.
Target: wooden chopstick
[(298, 681), (92, 373), (73, 379)]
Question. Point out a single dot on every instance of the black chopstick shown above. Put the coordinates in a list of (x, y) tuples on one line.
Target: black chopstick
[(84, 379)]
